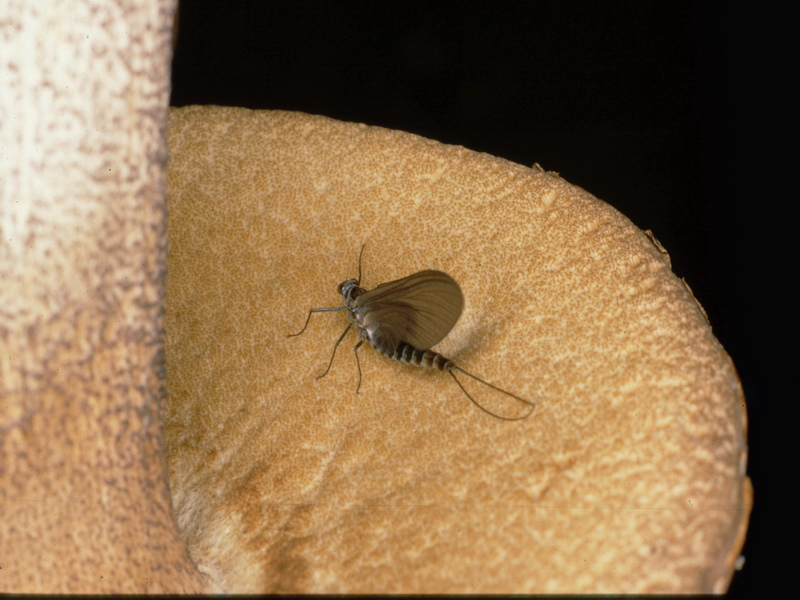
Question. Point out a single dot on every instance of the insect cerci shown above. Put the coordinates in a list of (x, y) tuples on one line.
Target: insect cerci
[(403, 319)]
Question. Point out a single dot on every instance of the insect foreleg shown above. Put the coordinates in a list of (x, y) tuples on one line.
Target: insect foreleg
[(308, 318), (333, 354)]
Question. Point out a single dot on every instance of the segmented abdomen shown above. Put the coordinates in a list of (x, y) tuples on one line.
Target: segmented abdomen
[(406, 353)]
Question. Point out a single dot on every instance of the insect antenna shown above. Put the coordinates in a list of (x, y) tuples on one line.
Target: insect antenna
[(360, 254)]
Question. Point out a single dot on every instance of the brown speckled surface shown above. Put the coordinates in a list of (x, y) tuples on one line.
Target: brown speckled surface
[(629, 477), (84, 495)]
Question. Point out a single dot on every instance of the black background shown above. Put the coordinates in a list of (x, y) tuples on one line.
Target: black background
[(636, 102)]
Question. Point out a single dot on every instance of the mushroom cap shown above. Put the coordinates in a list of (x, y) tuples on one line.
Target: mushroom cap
[(630, 475)]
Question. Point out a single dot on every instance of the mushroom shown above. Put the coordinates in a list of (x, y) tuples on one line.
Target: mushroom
[(628, 477)]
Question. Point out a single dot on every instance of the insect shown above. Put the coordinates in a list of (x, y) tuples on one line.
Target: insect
[(403, 319)]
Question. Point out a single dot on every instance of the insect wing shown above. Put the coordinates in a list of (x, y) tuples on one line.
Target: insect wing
[(420, 309)]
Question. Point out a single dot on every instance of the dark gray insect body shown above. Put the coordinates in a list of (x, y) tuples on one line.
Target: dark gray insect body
[(403, 319)]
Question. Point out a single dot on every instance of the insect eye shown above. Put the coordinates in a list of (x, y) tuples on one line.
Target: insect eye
[(346, 288)]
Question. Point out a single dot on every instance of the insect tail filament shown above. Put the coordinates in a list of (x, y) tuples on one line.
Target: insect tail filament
[(407, 354)]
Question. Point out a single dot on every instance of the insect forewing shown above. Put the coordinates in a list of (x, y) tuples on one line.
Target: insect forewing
[(420, 309)]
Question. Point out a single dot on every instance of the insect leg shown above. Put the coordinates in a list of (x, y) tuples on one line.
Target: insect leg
[(333, 354), (308, 318), (358, 364)]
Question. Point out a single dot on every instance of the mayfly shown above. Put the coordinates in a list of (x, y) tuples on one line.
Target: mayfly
[(403, 319)]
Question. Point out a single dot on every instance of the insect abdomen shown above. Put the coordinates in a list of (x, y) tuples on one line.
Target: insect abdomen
[(406, 353)]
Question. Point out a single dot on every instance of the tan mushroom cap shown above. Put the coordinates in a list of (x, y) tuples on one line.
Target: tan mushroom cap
[(628, 477)]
